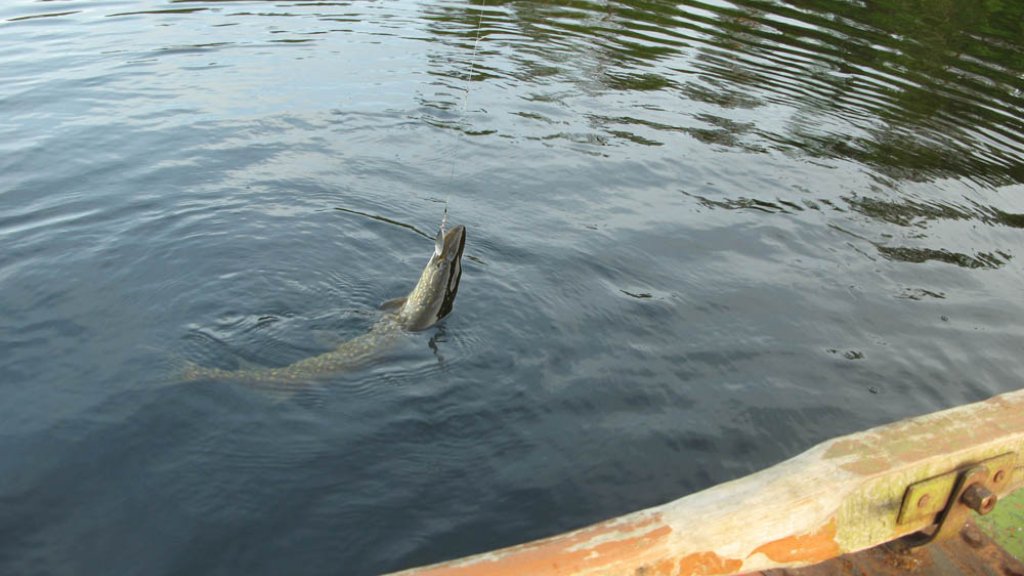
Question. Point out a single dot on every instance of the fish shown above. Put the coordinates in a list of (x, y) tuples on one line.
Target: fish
[(429, 302)]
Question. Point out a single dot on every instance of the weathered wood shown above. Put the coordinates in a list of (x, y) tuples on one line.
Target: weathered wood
[(970, 553), (841, 496)]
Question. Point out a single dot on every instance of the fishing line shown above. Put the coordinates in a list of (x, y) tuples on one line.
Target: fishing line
[(466, 82), (465, 108)]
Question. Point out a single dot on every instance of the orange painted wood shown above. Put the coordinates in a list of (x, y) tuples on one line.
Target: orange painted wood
[(841, 496)]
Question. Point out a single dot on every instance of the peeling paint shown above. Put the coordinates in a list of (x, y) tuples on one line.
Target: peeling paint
[(807, 548), (606, 545), (856, 482), (708, 564)]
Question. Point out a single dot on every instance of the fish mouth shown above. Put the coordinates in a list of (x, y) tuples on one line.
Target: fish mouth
[(454, 242), (454, 245)]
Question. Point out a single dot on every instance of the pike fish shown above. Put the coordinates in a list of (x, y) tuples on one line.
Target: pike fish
[(431, 300)]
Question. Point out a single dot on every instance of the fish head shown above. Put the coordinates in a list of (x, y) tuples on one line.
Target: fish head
[(434, 295)]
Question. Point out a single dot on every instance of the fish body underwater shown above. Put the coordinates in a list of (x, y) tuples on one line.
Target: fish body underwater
[(430, 301)]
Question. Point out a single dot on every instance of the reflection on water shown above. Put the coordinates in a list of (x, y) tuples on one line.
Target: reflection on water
[(916, 91), (701, 237)]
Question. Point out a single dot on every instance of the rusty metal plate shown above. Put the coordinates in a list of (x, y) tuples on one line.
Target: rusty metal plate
[(925, 499)]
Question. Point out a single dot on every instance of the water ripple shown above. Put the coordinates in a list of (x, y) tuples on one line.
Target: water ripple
[(703, 235)]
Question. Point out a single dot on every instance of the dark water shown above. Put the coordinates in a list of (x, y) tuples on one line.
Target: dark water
[(702, 237)]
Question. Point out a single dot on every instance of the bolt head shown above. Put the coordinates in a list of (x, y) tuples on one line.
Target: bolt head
[(999, 477), (978, 498), (923, 501)]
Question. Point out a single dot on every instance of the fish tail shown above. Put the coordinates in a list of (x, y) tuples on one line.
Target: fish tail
[(189, 371)]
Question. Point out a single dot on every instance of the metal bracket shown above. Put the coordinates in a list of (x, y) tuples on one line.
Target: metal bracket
[(949, 498)]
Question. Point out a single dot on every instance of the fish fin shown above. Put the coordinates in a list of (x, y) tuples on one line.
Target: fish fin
[(326, 338), (248, 365), (175, 368), (393, 304)]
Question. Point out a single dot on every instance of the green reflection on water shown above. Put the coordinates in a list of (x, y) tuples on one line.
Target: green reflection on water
[(915, 89)]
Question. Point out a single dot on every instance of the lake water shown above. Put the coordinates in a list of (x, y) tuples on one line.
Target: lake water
[(702, 237)]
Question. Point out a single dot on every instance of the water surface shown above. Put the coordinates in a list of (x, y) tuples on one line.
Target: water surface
[(702, 236)]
